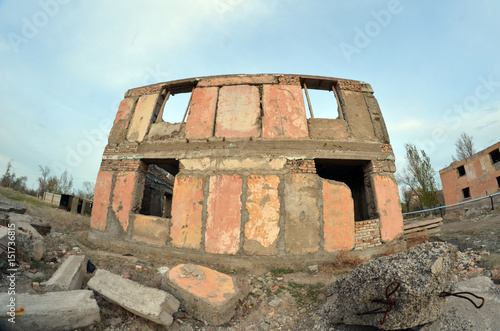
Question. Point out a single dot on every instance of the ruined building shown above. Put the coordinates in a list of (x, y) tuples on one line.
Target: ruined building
[(475, 177), (249, 174)]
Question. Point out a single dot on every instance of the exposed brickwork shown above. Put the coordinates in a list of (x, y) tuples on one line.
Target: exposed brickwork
[(367, 234), (349, 85), (120, 149), (289, 80), (123, 165), (302, 166)]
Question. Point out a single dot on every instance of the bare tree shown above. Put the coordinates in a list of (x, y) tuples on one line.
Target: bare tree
[(10, 180), (464, 147), (43, 180), (87, 190), (419, 176)]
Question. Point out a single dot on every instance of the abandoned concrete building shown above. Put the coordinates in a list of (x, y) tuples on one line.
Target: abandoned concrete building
[(248, 174), (475, 177)]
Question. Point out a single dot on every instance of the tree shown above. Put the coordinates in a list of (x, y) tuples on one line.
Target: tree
[(43, 180), (419, 176), (65, 183), (10, 180), (464, 147), (87, 191)]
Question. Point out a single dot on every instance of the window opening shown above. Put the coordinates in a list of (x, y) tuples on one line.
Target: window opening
[(495, 156), (461, 171), (159, 188), (175, 107), (321, 103), (466, 193), (351, 173), (498, 181)]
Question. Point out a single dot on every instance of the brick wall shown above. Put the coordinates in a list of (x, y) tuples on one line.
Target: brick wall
[(367, 234), (135, 165), (302, 166)]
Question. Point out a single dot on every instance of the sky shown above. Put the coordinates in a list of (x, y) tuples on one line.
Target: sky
[(66, 64)]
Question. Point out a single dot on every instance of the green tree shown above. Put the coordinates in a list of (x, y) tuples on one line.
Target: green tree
[(10, 180), (419, 176)]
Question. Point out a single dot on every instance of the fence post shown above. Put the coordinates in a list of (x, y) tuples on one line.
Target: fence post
[(492, 207)]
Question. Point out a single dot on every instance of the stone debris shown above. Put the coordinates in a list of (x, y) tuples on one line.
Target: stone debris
[(67, 310), (423, 272), (29, 241), (69, 275), (41, 225), (11, 206), (205, 294), (153, 304)]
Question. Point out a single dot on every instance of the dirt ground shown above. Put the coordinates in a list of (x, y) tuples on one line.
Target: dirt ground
[(274, 299)]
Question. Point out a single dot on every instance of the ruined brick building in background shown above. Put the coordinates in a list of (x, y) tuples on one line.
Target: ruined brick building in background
[(248, 176), (475, 177)]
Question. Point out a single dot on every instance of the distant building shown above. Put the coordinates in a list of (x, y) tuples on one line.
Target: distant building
[(472, 178)]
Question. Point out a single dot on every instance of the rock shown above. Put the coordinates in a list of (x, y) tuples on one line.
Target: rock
[(41, 225), (69, 275), (150, 303), (67, 310), (29, 241), (313, 268), (423, 272), (11, 206), (205, 294), (460, 314)]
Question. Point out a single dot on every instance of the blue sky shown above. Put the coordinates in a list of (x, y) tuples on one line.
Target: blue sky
[(66, 64)]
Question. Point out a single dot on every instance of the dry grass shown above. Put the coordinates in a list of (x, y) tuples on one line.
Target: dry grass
[(416, 239), (343, 263), (61, 220)]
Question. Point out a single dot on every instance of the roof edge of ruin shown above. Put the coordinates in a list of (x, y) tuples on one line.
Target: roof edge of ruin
[(187, 84)]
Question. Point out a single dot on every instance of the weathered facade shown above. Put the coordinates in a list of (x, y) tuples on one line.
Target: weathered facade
[(472, 178), (255, 178)]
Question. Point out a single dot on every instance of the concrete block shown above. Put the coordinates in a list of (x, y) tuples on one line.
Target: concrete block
[(302, 227), (284, 112), (69, 275), (206, 294), (357, 115), (338, 216), (102, 194), (66, 310), (238, 104), (387, 197), (187, 207), (29, 241), (263, 206), (10, 206), (122, 120), (41, 225), (143, 116), (201, 118), (153, 304), (233, 164), (150, 229), (325, 128), (123, 195), (224, 214)]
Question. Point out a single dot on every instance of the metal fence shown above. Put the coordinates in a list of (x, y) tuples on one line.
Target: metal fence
[(442, 209)]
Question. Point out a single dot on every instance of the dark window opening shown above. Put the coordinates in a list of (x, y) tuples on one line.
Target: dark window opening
[(495, 156), (466, 193), (461, 171), (322, 102), (350, 173), (498, 181), (159, 188)]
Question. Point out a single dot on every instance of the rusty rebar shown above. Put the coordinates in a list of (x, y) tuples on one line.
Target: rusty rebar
[(461, 295), (387, 302)]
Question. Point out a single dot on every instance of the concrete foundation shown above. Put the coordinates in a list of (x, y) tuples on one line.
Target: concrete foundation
[(252, 175), (69, 275)]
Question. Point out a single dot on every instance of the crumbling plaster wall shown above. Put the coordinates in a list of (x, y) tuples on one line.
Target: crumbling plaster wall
[(241, 188)]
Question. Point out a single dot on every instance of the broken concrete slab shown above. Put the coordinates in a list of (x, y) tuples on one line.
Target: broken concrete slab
[(422, 272), (51, 311), (11, 206), (69, 275), (153, 304), (206, 294), (29, 241), (41, 225), (460, 314)]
